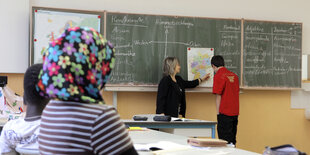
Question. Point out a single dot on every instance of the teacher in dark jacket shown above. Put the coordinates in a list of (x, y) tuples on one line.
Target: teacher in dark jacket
[(171, 89)]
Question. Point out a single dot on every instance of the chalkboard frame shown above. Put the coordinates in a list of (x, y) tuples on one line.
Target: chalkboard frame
[(100, 14), (122, 87)]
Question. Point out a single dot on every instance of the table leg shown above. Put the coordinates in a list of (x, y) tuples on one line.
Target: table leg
[(213, 131)]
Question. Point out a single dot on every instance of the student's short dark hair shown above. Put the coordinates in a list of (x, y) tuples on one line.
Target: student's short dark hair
[(217, 61), (31, 95)]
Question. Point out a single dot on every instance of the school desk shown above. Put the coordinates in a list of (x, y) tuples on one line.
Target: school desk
[(190, 128), (152, 136)]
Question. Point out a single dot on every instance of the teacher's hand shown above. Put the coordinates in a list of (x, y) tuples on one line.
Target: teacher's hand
[(206, 77)]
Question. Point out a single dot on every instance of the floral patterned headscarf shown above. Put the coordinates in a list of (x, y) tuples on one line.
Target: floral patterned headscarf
[(76, 66)]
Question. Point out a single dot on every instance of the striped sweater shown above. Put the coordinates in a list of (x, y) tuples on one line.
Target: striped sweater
[(77, 128)]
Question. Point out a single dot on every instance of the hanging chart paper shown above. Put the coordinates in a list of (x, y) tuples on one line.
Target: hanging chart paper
[(199, 64), (49, 25)]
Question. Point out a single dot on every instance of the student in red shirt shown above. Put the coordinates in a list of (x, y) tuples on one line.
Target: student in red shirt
[(226, 88)]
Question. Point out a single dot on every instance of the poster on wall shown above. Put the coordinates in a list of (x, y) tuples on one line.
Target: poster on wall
[(49, 24), (199, 64)]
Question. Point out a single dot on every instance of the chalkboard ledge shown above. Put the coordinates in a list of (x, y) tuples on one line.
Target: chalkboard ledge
[(305, 81), (131, 88), (269, 88), (150, 88)]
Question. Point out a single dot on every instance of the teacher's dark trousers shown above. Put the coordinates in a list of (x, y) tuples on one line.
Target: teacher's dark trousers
[(227, 127)]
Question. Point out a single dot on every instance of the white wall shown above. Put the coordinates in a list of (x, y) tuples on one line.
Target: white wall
[(14, 35), (304, 67)]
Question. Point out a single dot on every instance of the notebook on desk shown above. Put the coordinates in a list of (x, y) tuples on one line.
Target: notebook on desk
[(206, 142)]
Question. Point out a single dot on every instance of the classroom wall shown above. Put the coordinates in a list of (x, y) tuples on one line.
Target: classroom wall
[(266, 117), (15, 82), (14, 29)]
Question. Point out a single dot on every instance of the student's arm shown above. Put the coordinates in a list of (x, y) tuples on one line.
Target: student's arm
[(218, 103), (218, 87), (162, 94)]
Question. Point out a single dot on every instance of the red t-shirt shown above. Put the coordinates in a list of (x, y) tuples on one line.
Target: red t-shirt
[(226, 84)]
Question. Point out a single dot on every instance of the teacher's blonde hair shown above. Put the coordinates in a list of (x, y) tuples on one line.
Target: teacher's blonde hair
[(169, 65)]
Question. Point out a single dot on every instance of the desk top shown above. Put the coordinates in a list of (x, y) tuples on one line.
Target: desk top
[(152, 136), (150, 121)]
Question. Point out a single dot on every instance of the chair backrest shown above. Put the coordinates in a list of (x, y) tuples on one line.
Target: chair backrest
[(23, 151)]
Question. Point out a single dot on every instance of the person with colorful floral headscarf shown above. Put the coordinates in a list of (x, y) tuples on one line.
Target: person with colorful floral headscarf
[(75, 68)]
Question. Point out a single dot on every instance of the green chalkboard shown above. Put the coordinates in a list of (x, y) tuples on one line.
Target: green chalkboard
[(272, 54), (143, 41)]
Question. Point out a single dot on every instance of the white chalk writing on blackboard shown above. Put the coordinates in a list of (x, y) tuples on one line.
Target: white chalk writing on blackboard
[(180, 22), (257, 38), (126, 20), (119, 30), (231, 27), (253, 29)]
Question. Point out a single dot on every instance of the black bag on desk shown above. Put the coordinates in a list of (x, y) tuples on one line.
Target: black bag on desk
[(286, 149), (162, 118), (139, 118)]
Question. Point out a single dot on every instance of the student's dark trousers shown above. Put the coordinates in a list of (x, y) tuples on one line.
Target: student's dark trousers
[(227, 127)]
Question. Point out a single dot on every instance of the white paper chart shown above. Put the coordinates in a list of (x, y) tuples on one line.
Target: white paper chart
[(199, 64)]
